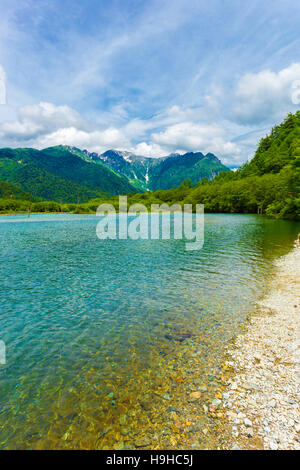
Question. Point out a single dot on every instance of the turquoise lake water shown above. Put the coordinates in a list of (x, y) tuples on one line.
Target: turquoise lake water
[(91, 326)]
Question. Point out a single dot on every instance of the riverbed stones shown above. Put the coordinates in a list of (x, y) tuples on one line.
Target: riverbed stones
[(264, 383), (273, 445), (142, 442), (178, 335), (216, 402), (123, 420), (247, 423), (195, 395)]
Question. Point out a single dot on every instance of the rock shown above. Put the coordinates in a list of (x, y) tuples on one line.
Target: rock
[(250, 387), (203, 388), (119, 446), (179, 335), (142, 442), (171, 408), (195, 395), (123, 420), (247, 423), (167, 397), (273, 445), (216, 402), (211, 377), (234, 386), (257, 358), (145, 405), (235, 447)]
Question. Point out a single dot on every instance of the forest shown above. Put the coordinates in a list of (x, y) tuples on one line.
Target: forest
[(268, 184)]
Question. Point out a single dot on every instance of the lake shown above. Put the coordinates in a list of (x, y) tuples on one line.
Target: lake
[(106, 339)]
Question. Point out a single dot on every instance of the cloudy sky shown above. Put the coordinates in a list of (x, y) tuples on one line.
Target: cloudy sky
[(149, 76)]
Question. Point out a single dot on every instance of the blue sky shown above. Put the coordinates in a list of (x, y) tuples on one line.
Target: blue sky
[(151, 76)]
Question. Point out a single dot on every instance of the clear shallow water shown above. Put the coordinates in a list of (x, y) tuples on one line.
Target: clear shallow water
[(91, 326)]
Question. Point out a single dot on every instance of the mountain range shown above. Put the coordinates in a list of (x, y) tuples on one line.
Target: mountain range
[(69, 174), (146, 173)]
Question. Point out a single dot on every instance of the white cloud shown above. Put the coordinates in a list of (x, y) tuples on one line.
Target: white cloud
[(95, 141), (189, 136), (265, 96), (50, 115), (175, 129), (150, 150), (40, 119), (45, 124)]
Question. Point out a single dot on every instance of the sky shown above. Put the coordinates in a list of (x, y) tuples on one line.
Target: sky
[(152, 77)]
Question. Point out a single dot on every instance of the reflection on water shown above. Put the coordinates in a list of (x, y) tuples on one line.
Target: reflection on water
[(106, 340)]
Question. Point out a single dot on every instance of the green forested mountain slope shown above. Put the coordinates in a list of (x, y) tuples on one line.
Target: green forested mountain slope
[(172, 171), (68, 174), (157, 173), (10, 191), (56, 174), (268, 184), (277, 150)]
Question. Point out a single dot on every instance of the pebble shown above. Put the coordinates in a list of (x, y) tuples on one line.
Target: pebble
[(273, 445), (142, 442), (123, 420), (195, 395), (216, 402), (248, 423)]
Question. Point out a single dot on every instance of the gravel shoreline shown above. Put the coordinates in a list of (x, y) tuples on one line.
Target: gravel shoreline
[(262, 393)]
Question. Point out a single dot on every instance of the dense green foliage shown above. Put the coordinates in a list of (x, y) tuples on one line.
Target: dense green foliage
[(57, 174), (10, 191), (11, 206), (172, 171)]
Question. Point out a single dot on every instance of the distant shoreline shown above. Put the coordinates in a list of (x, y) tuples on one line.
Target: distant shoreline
[(36, 213)]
